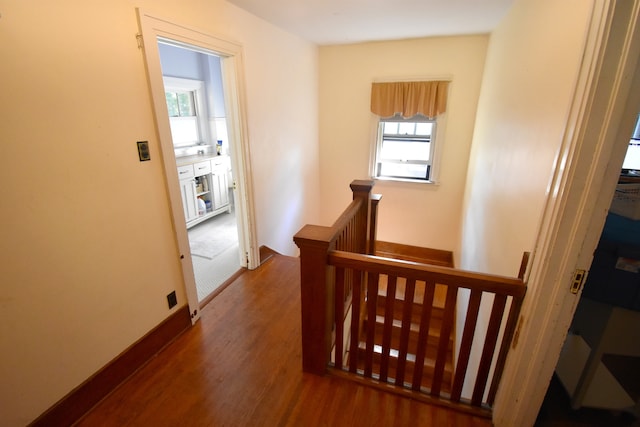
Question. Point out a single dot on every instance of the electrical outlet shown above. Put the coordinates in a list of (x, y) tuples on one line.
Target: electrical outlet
[(172, 299)]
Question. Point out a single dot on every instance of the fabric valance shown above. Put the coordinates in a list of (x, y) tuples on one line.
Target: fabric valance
[(409, 98)]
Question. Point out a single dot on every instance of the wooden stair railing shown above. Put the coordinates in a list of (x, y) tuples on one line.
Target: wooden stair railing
[(353, 231), (422, 365), (399, 308), (389, 322)]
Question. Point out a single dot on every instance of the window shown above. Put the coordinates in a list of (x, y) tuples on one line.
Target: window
[(183, 118), (405, 148), (181, 104), (186, 108), (409, 113)]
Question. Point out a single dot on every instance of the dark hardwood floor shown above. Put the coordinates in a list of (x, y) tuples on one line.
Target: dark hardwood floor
[(241, 365)]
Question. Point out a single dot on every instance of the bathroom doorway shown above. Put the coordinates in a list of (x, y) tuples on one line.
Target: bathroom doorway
[(194, 94), (205, 171)]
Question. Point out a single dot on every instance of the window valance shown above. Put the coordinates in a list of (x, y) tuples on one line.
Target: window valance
[(409, 98)]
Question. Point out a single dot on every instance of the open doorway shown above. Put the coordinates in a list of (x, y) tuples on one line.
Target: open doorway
[(597, 378), (218, 185), (196, 112)]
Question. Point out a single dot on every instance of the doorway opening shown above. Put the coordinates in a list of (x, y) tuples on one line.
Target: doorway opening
[(196, 112), (597, 377), (206, 154)]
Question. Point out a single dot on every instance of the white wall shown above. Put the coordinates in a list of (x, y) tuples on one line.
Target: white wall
[(88, 254), (282, 83), (529, 80), (530, 76), (418, 214)]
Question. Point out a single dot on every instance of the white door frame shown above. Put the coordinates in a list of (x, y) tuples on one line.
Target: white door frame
[(606, 103), (152, 29)]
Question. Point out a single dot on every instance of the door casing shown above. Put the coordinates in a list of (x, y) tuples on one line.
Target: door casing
[(153, 29)]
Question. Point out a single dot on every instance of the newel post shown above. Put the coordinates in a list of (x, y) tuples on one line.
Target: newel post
[(315, 291), (362, 190)]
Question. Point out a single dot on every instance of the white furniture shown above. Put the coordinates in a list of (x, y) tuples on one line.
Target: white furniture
[(205, 179), (219, 184), (188, 191)]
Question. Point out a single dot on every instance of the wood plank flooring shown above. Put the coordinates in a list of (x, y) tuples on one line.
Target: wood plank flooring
[(241, 366)]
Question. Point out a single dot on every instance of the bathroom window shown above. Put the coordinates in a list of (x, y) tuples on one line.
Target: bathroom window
[(181, 104), (186, 111)]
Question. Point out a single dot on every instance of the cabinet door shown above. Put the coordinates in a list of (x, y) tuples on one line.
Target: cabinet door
[(189, 202), (219, 189)]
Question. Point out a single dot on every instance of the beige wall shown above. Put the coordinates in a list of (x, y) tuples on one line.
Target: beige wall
[(282, 86), (424, 215), (88, 254), (530, 76)]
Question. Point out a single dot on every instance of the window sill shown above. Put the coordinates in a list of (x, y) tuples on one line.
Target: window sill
[(406, 180)]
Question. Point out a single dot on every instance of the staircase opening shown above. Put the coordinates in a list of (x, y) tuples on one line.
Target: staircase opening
[(384, 314)]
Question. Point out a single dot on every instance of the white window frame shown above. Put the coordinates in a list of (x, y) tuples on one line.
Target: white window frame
[(177, 84), (434, 158)]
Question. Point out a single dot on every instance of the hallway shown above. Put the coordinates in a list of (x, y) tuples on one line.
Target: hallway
[(241, 365)]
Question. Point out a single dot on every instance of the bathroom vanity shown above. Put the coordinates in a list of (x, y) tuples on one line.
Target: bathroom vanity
[(204, 185)]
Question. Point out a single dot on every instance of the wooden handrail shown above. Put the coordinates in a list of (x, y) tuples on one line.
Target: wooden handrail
[(418, 271)]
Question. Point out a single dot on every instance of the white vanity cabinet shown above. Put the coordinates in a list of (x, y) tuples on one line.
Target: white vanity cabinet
[(205, 180), (202, 168), (188, 191), (202, 171), (220, 184)]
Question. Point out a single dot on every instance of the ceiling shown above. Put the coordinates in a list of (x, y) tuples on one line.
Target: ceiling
[(326, 22)]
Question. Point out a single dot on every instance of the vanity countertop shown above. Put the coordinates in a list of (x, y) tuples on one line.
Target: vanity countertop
[(189, 160)]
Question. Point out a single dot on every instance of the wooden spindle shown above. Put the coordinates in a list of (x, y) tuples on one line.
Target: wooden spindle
[(339, 317), (356, 298), (423, 335), (470, 323), (409, 294), (372, 300), (514, 312), (445, 335), (388, 325), (488, 349)]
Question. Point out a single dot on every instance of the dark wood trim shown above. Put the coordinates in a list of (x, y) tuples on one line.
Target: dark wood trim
[(266, 253), (414, 253), (84, 397)]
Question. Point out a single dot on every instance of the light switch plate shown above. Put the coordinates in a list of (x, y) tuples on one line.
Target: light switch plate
[(143, 151)]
